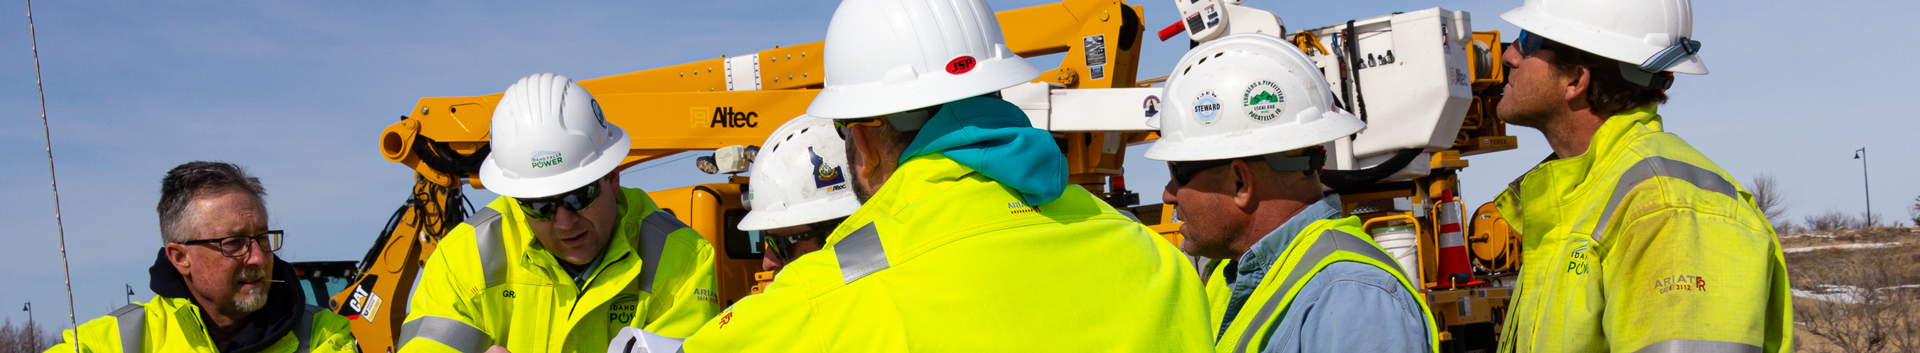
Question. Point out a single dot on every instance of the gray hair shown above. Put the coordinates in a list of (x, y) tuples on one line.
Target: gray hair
[(192, 180)]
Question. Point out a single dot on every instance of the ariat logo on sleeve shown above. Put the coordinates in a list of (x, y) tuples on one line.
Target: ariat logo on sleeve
[(1680, 283)]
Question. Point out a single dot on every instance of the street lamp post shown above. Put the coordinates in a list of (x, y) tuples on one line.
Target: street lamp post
[(1867, 184)]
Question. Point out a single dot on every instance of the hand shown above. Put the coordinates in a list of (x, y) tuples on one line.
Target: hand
[(497, 349)]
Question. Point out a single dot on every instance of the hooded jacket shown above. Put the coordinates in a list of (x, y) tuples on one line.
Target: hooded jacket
[(173, 321)]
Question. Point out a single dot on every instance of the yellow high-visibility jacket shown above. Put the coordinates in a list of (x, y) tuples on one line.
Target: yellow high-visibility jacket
[(491, 283), (1642, 244), (944, 259), (1323, 243), (167, 324)]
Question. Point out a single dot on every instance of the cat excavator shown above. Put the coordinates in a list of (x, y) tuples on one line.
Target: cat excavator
[(1433, 83)]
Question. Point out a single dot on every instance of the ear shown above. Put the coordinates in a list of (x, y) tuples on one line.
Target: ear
[(177, 254), (1242, 184), (1578, 83)]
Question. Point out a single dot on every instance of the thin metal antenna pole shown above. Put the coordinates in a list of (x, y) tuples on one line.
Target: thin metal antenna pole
[(46, 130)]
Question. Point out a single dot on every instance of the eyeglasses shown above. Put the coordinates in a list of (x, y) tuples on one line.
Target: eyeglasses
[(543, 209), (236, 246), (1183, 172), (782, 247)]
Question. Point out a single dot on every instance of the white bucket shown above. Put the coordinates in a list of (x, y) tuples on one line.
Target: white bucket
[(1403, 243)]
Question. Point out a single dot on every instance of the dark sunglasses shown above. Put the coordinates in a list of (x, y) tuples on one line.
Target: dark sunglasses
[(782, 247), (1527, 43), (236, 246), (542, 209), (1183, 172)]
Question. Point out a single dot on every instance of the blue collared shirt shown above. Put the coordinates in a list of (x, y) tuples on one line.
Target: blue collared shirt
[(1346, 307)]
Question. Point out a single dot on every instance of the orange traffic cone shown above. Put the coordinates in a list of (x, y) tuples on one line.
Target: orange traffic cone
[(1455, 269)]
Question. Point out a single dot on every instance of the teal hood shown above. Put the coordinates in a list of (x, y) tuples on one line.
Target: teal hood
[(994, 138)]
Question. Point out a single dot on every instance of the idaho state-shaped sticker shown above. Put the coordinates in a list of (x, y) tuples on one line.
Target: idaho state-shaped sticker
[(960, 65)]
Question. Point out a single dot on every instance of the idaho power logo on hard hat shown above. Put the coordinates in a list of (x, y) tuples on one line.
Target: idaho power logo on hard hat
[(1263, 101), (1206, 108), (543, 159), (824, 175)]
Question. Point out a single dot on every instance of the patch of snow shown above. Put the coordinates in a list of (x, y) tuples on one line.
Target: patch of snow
[(1842, 246), (1815, 235), (1843, 293)]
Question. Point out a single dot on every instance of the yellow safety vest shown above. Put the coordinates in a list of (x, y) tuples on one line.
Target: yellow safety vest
[(1642, 244), (173, 325), (1322, 243), (490, 283), (944, 259)]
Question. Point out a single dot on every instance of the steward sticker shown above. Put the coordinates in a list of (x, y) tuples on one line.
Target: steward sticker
[(1206, 108)]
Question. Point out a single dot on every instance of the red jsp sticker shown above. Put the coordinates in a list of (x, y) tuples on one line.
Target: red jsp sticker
[(960, 65), (725, 319)]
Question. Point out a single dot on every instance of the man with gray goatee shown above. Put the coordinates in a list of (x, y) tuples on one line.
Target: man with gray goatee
[(214, 280)]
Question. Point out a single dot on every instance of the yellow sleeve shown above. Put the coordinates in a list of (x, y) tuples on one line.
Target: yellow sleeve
[(694, 299), (332, 333), (1692, 277), (441, 305), (774, 321), (99, 335)]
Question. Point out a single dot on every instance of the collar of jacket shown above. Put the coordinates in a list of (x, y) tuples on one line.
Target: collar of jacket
[(1531, 204), (1261, 255), (258, 330)]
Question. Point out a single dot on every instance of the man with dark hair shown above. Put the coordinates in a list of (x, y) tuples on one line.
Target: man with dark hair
[(213, 282), (969, 237), (1635, 241)]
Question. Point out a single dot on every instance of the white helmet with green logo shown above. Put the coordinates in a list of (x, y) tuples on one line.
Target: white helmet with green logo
[(549, 137), (1246, 95)]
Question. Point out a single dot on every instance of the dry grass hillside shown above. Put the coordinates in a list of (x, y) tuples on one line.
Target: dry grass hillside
[(1855, 290)]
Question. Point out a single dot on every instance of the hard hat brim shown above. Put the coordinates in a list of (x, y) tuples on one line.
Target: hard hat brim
[(609, 158), (810, 213), (876, 99)]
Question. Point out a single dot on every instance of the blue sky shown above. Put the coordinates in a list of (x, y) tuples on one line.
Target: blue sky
[(298, 91)]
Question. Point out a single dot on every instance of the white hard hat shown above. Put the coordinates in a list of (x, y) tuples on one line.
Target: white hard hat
[(1631, 31), (890, 56), (549, 137), (800, 177), (1246, 95)]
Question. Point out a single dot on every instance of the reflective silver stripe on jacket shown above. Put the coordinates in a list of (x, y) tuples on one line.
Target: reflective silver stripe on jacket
[(132, 320), (1657, 166), (1697, 346), (453, 333), (303, 328), (1330, 241), (860, 253), (491, 243), (653, 238)]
